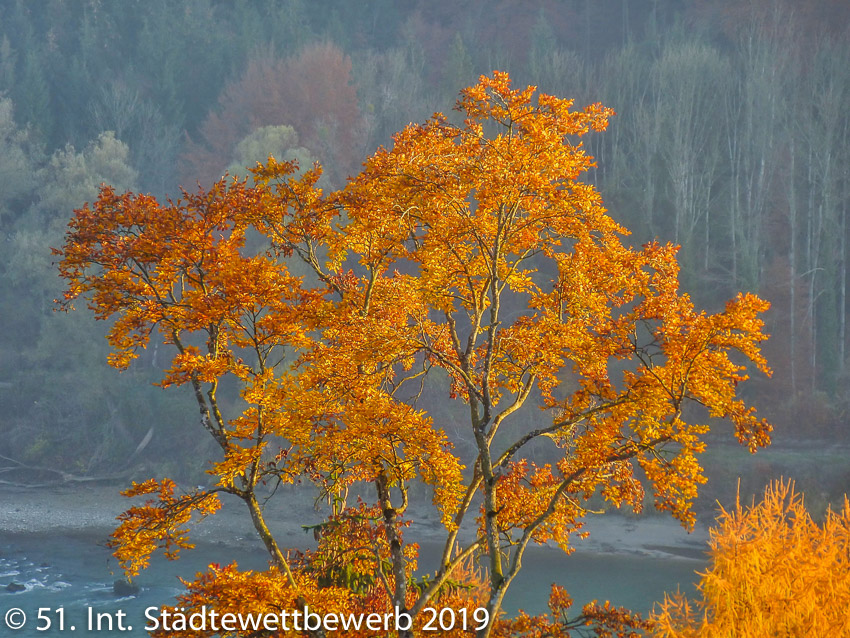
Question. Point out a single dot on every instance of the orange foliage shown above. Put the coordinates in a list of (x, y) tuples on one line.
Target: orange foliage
[(158, 523), (472, 250), (606, 620), (774, 572)]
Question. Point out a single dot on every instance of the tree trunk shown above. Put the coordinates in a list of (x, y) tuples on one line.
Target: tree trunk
[(390, 515)]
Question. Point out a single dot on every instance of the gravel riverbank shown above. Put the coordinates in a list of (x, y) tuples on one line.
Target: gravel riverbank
[(92, 510)]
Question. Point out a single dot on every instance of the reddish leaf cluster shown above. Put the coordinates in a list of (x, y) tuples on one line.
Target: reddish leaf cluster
[(311, 92)]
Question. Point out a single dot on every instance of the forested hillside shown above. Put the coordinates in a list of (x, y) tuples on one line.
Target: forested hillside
[(732, 139)]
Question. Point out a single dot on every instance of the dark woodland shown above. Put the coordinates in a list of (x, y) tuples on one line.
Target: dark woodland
[(731, 138)]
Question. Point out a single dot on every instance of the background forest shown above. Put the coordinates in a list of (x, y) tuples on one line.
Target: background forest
[(732, 139)]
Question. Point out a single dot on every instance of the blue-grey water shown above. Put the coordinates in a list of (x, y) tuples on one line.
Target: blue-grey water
[(76, 573)]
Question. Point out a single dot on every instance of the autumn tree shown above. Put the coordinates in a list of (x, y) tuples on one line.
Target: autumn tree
[(774, 572), (471, 253)]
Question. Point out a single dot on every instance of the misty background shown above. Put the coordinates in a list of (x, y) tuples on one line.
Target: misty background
[(732, 139)]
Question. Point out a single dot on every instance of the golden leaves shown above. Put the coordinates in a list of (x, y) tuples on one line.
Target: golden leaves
[(252, 594), (774, 571), (605, 619), (158, 523)]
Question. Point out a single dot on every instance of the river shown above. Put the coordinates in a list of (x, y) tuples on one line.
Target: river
[(76, 573)]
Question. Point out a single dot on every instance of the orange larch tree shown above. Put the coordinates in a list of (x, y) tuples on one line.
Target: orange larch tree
[(471, 253), (774, 572)]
